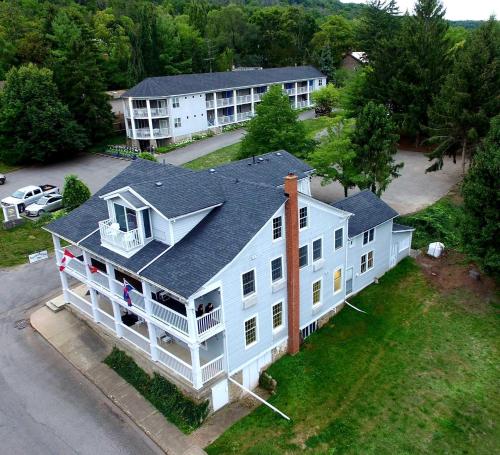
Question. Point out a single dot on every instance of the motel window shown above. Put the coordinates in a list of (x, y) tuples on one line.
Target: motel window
[(277, 315), (317, 249), (277, 227), (251, 331), (339, 238), (368, 236), (337, 281), (175, 101), (303, 253), (276, 269), (248, 283), (316, 292), (366, 262), (177, 122), (303, 217)]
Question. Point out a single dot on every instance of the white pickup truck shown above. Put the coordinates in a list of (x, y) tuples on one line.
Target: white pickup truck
[(29, 194)]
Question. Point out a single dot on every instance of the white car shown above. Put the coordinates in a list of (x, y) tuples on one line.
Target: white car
[(44, 204)]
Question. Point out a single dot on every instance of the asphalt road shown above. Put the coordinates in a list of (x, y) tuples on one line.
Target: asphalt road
[(46, 406)]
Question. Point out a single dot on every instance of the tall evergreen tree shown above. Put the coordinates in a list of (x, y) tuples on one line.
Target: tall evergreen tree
[(375, 138)]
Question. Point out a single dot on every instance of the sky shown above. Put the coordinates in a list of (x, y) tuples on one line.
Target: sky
[(455, 9)]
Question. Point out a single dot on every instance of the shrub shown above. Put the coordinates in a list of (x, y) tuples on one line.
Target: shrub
[(147, 156), (75, 192), (162, 394)]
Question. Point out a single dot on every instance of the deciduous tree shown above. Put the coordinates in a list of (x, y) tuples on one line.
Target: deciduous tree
[(75, 192)]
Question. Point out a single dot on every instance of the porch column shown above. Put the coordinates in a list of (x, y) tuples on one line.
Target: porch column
[(196, 366), (191, 317), (253, 102), (295, 97), (146, 292), (235, 106), (93, 292), (132, 119), (150, 121), (118, 318), (63, 277), (153, 341)]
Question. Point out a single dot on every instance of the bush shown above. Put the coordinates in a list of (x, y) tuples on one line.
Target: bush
[(75, 192), (147, 156), (162, 394)]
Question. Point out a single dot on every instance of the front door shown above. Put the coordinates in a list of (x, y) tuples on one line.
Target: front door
[(348, 281), (220, 395)]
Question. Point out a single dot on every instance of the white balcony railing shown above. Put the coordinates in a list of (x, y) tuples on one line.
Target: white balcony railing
[(161, 132), (101, 279), (77, 268), (301, 90), (243, 99), (175, 364), (301, 104), (258, 96), (225, 119), (211, 122), (209, 321), (170, 317), (140, 112), (135, 338), (212, 368), (290, 91), (125, 241), (159, 112), (221, 102), (244, 116), (142, 133), (210, 104)]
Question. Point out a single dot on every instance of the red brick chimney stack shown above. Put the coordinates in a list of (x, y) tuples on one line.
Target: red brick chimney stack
[(292, 262)]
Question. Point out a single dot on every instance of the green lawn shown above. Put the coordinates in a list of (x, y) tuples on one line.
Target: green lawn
[(17, 243), (230, 153), (417, 374)]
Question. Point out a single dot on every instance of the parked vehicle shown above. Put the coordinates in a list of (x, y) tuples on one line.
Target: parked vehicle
[(44, 204), (2, 179), (28, 195)]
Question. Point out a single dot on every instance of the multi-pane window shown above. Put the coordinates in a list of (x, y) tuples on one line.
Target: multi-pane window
[(177, 122), (303, 259), (248, 282), (277, 227), (339, 238), (317, 250), (368, 236), (366, 261), (302, 217), (277, 315), (175, 101), (316, 292), (251, 331), (337, 280), (276, 269)]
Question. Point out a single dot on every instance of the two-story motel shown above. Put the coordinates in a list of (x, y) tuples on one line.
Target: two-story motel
[(166, 109), (226, 269)]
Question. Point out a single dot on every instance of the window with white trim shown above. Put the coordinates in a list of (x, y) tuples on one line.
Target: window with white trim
[(317, 249), (251, 331), (366, 262), (337, 280), (177, 122), (316, 292), (303, 217), (339, 238), (277, 228), (175, 101), (303, 256), (248, 283), (276, 269), (368, 236), (277, 315)]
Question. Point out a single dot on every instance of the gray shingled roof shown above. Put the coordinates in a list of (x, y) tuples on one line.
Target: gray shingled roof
[(396, 227), (368, 209), (211, 245), (204, 82)]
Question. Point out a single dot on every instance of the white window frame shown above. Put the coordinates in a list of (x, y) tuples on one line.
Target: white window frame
[(279, 327), (312, 249), (341, 280), (177, 122), (282, 271), (361, 261), (253, 343), (335, 237), (368, 233), (175, 102), (246, 296), (273, 228), (302, 246), (307, 217), (320, 281)]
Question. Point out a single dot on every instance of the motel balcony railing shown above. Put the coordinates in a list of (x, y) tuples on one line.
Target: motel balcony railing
[(225, 119), (221, 102), (210, 104), (244, 99), (160, 112), (140, 112), (241, 116), (301, 90), (124, 240)]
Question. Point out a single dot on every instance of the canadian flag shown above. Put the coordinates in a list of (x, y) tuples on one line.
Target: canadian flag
[(92, 269), (67, 256)]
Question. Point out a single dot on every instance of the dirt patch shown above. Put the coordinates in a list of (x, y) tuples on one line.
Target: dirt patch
[(453, 272), (406, 143)]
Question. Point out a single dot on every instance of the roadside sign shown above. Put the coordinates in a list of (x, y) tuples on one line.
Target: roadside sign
[(38, 256), (10, 212)]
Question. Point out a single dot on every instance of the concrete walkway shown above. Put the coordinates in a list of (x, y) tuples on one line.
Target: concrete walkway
[(86, 350)]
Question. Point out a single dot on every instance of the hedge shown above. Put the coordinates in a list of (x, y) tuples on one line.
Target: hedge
[(162, 394)]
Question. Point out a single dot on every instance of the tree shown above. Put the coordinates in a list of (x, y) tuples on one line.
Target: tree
[(326, 98), (35, 126), (275, 127), (460, 114), (481, 226), (75, 192), (334, 158), (375, 139)]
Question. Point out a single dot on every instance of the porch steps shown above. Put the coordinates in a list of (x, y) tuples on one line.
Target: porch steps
[(56, 304)]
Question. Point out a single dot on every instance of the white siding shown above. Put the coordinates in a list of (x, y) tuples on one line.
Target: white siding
[(182, 226), (304, 186), (161, 228), (193, 114)]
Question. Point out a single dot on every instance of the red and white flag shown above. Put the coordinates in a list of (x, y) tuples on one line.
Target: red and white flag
[(67, 256), (92, 268)]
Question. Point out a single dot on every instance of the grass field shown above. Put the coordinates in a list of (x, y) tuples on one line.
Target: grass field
[(417, 374)]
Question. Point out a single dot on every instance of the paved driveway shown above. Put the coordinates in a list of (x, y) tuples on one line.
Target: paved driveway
[(412, 191)]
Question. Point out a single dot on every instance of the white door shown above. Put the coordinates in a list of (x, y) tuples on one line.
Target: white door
[(394, 254), (251, 375), (220, 395), (348, 281)]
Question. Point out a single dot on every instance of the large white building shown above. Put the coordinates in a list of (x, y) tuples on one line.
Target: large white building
[(166, 109), (228, 268)]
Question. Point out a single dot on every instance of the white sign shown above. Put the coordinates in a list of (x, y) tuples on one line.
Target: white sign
[(38, 256), (10, 212)]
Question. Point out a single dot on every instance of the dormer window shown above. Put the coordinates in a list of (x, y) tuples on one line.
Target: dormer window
[(125, 217)]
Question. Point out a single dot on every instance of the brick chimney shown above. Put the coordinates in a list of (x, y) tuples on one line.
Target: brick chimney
[(292, 262)]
